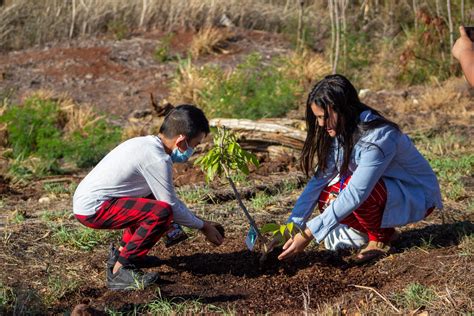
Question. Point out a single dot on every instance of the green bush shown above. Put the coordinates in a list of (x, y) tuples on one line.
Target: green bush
[(39, 143), (162, 52), (89, 146), (33, 128), (253, 90)]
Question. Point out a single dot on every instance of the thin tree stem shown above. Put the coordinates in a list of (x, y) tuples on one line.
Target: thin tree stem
[(450, 22), (241, 204)]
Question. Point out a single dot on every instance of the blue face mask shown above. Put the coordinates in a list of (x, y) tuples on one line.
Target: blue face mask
[(178, 156)]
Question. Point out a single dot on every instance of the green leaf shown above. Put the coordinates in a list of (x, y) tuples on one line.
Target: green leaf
[(230, 149), (270, 227), (243, 167), (282, 230), (210, 173), (290, 226)]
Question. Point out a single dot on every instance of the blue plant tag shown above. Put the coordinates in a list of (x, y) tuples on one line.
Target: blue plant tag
[(251, 238)]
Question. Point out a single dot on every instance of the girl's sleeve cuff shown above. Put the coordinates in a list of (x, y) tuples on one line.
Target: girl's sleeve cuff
[(321, 226)]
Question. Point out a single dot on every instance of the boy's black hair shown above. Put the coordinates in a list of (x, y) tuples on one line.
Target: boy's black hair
[(185, 119)]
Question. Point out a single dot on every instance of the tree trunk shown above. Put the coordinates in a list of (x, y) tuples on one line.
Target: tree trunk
[(333, 32), (73, 20), (344, 4), (300, 40), (450, 21), (338, 36), (268, 132), (415, 10)]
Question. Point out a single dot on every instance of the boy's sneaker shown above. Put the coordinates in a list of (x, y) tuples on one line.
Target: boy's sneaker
[(144, 262), (130, 278)]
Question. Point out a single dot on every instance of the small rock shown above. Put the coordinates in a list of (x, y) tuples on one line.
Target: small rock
[(89, 76), (363, 93), (85, 310), (44, 200)]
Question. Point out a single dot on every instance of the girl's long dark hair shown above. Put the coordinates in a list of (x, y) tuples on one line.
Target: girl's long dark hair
[(336, 92)]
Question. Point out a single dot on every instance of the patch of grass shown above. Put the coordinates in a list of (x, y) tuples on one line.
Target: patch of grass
[(17, 217), (162, 50), (451, 171), (427, 243), (181, 307), (7, 298), (58, 188), (288, 186), (415, 296), (57, 288), (118, 28), (262, 200), (174, 306), (193, 195), (54, 216), (467, 245), (240, 179), (450, 157), (81, 238)]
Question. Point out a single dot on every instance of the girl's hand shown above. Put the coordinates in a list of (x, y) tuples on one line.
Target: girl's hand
[(296, 244)]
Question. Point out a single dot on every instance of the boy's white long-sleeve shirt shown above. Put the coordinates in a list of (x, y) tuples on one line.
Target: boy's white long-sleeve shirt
[(136, 168)]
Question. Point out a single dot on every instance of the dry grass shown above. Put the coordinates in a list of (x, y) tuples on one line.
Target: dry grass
[(188, 84), (307, 67), (26, 23), (448, 101), (149, 125), (210, 40)]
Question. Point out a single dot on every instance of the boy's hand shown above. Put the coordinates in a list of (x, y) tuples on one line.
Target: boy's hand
[(212, 233)]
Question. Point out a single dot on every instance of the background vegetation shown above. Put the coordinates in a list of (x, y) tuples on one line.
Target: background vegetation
[(387, 46)]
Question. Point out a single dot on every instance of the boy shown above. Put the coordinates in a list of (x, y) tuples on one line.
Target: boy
[(116, 195)]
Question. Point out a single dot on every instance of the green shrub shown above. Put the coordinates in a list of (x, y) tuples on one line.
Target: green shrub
[(7, 297), (162, 52), (40, 144), (33, 128), (118, 28), (255, 89), (89, 146)]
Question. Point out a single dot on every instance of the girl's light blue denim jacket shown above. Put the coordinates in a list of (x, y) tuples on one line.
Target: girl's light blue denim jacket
[(383, 152)]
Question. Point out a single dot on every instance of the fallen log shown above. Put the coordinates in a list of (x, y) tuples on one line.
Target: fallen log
[(264, 131)]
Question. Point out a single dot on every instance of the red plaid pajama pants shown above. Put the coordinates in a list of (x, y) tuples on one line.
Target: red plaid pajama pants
[(367, 218), (144, 222)]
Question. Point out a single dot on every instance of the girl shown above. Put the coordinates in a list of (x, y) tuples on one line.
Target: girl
[(369, 175)]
